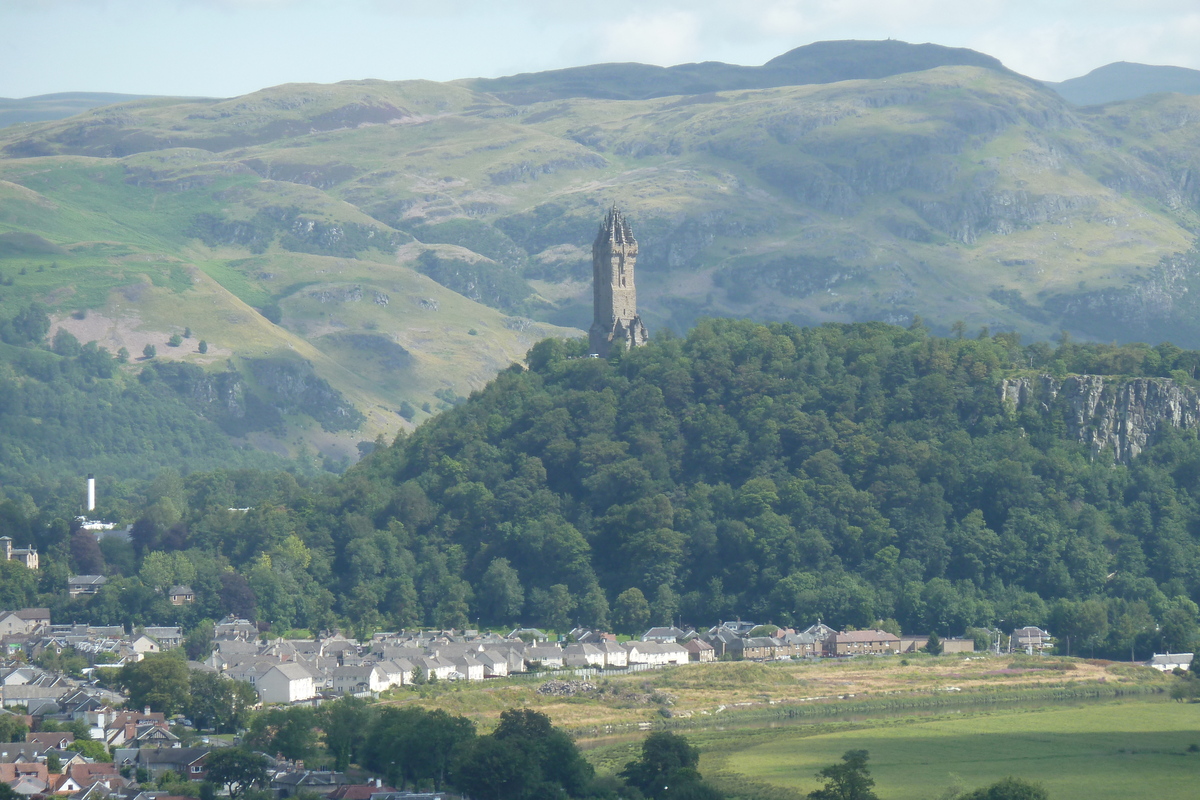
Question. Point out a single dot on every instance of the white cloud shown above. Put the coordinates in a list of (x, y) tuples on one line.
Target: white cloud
[(59, 45), (663, 38), (1065, 49)]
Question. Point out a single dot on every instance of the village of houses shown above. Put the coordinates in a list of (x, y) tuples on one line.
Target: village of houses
[(288, 671)]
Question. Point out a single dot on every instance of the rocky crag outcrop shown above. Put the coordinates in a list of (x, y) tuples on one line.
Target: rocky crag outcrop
[(1124, 415)]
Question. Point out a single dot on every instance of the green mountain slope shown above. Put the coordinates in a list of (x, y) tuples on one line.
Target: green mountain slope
[(409, 239)]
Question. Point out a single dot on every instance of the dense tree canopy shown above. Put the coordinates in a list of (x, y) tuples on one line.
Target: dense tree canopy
[(160, 681), (236, 769), (865, 474)]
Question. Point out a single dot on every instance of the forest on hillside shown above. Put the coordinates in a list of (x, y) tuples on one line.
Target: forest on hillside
[(862, 474)]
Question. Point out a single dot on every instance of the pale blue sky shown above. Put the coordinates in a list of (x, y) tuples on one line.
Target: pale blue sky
[(228, 47)]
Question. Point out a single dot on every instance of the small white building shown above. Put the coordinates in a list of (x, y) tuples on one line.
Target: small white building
[(397, 671), (614, 654), (1165, 662), (356, 680), (285, 683), (167, 636), (548, 656), (433, 667), (26, 555), (495, 665), (85, 584), (26, 620), (664, 634), (469, 667), (144, 644), (1030, 639), (656, 653), (583, 655)]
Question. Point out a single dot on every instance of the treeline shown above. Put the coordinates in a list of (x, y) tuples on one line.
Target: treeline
[(865, 474), (67, 409), (525, 756)]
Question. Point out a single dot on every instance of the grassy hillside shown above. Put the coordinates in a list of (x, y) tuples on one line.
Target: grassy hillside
[(370, 227)]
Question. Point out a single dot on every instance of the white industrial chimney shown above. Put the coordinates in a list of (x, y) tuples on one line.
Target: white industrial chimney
[(91, 500)]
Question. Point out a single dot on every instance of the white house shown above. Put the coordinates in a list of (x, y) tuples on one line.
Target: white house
[(168, 636), (27, 620), (85, 584), (285, 683), (144, 644), (664, 634), (495, 665), (583, 655), (469, 667), (433, 666), (546, 655), (366, 678), (656, 653), (1165, 662), (614, 654), (28, 556), (397, 671)]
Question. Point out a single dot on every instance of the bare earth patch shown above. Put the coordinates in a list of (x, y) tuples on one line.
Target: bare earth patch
[(124, 331)]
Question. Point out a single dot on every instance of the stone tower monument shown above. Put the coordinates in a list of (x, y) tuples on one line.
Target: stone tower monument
[(615, 321)]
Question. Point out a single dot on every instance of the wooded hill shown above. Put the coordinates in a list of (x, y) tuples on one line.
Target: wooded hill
[(854, 473)]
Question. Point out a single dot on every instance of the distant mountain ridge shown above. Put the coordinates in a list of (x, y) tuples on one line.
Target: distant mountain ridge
[(44, 107), (404, 241), (820, 62), (1125, 80)]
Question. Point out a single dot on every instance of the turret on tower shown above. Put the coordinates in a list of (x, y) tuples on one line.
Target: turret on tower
[(615, 321)]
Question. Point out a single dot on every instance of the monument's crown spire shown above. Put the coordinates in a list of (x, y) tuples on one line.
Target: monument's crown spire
[(616, 228)]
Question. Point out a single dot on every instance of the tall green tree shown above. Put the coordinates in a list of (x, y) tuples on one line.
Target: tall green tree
[(159, 681), (220, 703), (501, 595), (344, 723), (235, 769), (667, 768), (631, 612), (291, 732), (488, 768), (850, 780), (411, 745)]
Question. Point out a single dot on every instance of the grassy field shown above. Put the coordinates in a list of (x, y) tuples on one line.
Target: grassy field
[(701, 695), (1086, 729), (1141, 748)]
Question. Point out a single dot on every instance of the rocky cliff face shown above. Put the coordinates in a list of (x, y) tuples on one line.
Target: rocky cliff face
[(1103, 412), (293, 386)]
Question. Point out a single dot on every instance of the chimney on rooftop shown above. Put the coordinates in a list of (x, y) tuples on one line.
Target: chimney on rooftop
[(91, 492)]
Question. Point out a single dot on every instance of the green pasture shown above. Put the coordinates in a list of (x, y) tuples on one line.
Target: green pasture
[(1126, 749)]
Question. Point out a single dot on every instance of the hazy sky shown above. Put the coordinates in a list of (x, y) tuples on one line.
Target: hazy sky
[(229, 47)]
